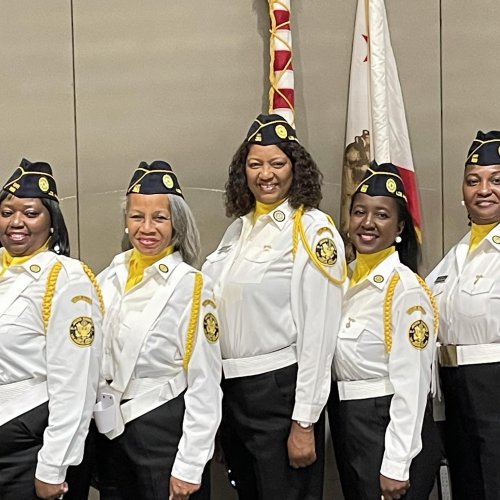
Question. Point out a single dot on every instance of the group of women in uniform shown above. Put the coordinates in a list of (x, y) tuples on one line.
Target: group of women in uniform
[(164, 355)]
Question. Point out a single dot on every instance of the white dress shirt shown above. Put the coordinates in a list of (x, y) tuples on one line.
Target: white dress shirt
[(269, 300), (70, 369), (361, 355), (162, 352), (467, 289)]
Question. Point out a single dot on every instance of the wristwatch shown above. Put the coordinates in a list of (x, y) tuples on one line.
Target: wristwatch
[(304, 425)]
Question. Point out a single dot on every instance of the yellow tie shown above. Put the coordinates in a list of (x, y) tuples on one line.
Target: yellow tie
[(478, 233), (139, 262), (367, 262), (8, 260)]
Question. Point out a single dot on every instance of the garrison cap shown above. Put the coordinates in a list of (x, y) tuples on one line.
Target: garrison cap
[(32, 180), (382, 180), (485, 149), (270, 129), (157, 178)]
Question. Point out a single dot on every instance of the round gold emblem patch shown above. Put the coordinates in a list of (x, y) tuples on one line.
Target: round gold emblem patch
[(279, 216), (34, 268), (167, 180), (163, 268), (211, 328), (326, 251), (43, 184), (391, 185), (378, 278), (281, 131), (496, 239), (419, 334), (82, 331)]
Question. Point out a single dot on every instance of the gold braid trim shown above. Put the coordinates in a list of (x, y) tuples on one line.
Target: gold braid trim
[(93, 280), (193, 320), (432, 300), (50, 289), (298, 232), (388, 312)]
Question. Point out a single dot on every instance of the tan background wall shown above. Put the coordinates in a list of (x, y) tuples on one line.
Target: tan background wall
[(94, 87)]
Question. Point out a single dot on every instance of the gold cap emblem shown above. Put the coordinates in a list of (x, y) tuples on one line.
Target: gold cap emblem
[(43, 184), (281, 131), (167, 180), (391, 185)]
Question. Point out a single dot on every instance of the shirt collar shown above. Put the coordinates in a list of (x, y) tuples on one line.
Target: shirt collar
[(37, 265), (280, 216), (381, 273)]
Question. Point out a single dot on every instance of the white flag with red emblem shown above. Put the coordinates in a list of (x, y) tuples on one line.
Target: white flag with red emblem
[(376, 122)]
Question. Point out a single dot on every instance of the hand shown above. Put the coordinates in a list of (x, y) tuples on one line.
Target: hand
[(392, 489), (301, 446), (50, 491), (181, 490)]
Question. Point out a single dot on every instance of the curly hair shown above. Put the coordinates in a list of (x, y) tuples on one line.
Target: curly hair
[(306, 182)]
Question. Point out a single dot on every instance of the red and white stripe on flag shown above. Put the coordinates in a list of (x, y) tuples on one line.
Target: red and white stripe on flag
[(376, 116), (281, 92)]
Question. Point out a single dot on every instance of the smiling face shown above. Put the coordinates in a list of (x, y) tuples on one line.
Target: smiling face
[(148, 222), (373, 223), (481, 191), (269, 173), (24, 225)]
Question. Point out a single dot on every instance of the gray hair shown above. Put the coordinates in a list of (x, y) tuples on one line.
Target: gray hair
[(186, 237), (185, 234)]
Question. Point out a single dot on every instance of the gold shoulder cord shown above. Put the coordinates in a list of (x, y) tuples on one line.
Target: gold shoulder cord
[(193, 320), (50, 289), (388, 308), (298, 233), (432, 300), (93, 280), (388, 312)]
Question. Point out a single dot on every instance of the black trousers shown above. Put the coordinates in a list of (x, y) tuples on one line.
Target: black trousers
[(20, 441), (137, 465), (256, 422), (358, 430), (472, 430)]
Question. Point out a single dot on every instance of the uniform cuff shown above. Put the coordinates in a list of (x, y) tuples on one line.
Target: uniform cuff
[(187, 472), (400, 471), (50, 473), (306, 413)]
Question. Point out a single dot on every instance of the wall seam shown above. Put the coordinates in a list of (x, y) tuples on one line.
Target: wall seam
[(441, 123)]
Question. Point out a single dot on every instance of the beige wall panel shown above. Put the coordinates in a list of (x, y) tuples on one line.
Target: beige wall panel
[(36, 100), (415, 37), (471, 85), (161, 80)]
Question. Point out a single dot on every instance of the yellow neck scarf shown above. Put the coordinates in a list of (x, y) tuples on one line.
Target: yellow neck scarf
[(139, 262), (478, 233), (264, 208), (367, 262), (8, 260)]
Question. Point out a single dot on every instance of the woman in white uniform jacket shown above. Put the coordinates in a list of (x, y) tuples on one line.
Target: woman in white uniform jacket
[(466, 284), (384, 354), (277, 274), (50, 338), (162, 359)]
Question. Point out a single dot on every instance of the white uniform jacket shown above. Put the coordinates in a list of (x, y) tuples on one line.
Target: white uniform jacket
[(276, 309), (164, 321), (59, 364), (467, 289), (361, 355)]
